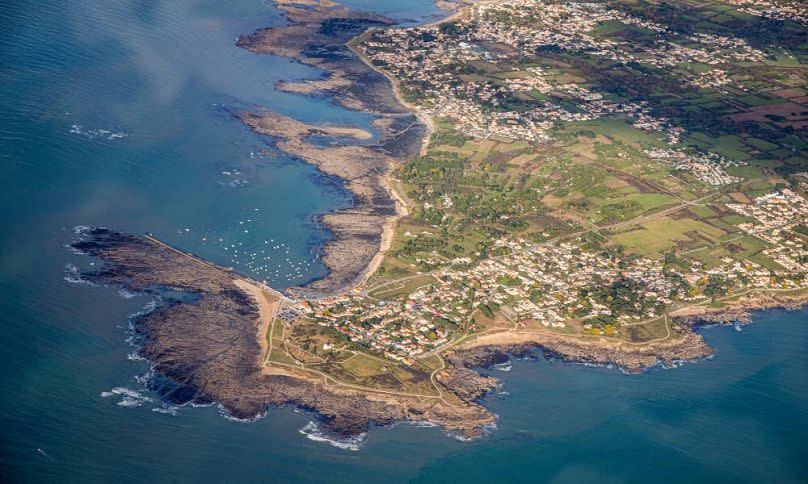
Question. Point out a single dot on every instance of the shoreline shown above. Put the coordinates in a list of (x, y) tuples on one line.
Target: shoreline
[(267, 312), (219, 348), (209, 349), (396, 89), (341, 84), (389, 230), (685, 344), (388, 233)]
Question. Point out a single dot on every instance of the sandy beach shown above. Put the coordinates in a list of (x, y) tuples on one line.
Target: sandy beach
[(267, 309), (402, 210)]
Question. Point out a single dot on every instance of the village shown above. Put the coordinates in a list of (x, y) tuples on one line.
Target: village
[(795, 10), (558, 284), (439, 68), (707, 167)]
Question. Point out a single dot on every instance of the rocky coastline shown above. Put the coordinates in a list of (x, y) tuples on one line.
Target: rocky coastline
[(204, 341), (201, 341), (685, 344), (317, 35)]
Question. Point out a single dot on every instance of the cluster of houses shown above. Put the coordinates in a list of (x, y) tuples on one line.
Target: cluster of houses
[(709, 168), (794, 10), (776, 216), (435, 62), (532, 24), (715, 79), (399, 330), (542, 283), (477, 106)]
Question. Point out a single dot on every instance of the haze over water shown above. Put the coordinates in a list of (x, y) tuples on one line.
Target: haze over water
[(120, 114)]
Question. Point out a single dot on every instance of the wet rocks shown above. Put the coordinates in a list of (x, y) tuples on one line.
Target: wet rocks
[(728, 317)]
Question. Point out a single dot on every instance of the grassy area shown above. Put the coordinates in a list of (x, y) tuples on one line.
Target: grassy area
[(658, 235), (394, 289), (649, 331), (651, 201), (364, 366), (278, 355)]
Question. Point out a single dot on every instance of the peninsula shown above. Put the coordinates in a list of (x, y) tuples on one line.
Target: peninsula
[(596, 180)]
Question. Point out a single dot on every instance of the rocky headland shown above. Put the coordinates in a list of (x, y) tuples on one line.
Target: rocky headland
[(204, 342)]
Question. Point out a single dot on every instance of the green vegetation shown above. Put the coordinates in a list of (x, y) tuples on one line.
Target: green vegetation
[(364, 366), (656, 236), (576, 191)]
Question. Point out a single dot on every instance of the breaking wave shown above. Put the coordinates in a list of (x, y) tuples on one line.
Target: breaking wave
[(166, 409), (312, 431), (227, 415), (486, 431), (128, 397), (73, 276), (134, 356), (97, 133), (507, 366)]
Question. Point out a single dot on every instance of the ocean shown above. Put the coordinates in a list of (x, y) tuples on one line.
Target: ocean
[(121, 114)]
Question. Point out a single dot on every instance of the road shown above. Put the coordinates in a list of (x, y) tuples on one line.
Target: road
[(555, 240)]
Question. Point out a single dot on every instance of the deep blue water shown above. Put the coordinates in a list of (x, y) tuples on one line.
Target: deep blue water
[(119, 114)]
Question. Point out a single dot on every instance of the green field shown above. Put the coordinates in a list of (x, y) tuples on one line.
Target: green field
[(364, 366), (398, 288), (658, 235)]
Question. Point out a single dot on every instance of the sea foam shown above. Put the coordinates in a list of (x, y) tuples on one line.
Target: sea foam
[(97, 133), (227, 415), (507, 366), (312, 431), (73, 276), (129, 397)]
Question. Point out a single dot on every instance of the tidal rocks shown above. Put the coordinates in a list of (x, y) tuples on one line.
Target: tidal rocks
[(681, 345), (730, 316), (358, 230), (631, 358), (317, 35)]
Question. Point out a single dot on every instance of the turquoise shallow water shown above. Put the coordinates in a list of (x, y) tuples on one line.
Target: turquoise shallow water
[(119, 114)]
